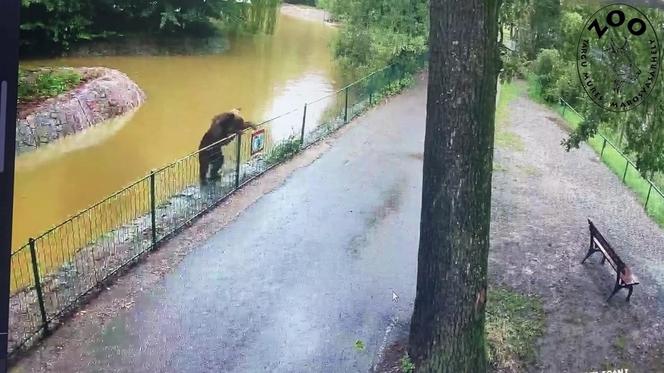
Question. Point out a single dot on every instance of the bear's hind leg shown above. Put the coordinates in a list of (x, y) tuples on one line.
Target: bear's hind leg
[(216, 163)]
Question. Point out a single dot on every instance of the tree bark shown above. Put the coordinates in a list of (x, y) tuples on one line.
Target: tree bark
[(447, 327)]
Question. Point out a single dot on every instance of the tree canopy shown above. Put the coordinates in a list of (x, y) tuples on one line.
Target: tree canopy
[(546, 44), (379, 32), (58, 24)]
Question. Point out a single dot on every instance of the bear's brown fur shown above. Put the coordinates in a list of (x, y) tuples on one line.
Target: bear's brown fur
[(220, 133)]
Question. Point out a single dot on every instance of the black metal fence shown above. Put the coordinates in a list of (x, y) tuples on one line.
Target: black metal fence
[(647, 190), (53, 273)]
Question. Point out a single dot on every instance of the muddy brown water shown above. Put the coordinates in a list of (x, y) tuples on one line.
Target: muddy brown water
[(265, 75)]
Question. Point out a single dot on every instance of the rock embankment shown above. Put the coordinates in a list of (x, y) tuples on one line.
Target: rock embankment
[(105, 94)]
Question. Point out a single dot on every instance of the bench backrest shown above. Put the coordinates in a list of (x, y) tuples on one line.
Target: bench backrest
[(594, 232)]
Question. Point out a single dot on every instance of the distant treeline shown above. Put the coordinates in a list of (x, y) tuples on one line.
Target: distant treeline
[(56, 25)]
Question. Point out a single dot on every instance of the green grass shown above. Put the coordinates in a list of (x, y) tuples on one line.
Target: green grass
[(45, 83), (283, 151), (504, 137), (513, 324), (620, 343), (406, 364)]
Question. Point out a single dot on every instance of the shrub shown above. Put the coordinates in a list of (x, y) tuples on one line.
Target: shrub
[(548, 69), (567, 85)]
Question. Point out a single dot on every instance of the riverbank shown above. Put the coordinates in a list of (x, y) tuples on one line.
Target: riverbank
[(100, 94)]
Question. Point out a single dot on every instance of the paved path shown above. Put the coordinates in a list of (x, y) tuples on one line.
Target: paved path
[(309, 269), (298, 278)]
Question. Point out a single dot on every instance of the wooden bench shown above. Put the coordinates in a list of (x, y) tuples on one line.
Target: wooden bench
[(624, 276)]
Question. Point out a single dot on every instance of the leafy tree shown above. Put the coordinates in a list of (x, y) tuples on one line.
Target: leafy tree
[(378, 32), (641, 129), (57, 24)]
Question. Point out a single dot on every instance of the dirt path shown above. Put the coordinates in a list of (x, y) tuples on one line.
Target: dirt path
[(542, 199)]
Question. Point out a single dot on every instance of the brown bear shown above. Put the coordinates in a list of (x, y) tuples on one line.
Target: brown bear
[(223, 127)]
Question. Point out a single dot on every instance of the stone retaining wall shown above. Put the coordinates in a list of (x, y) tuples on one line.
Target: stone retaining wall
[(107, 94)]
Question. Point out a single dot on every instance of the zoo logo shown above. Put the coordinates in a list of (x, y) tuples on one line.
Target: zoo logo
[(618, 57)]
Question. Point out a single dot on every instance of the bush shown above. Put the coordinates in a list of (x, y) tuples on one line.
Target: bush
[(567, 85), (283, 151), (548, 69), (515, 65), (49, 26)]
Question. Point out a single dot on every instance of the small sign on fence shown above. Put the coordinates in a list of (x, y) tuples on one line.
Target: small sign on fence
[(257, 141)]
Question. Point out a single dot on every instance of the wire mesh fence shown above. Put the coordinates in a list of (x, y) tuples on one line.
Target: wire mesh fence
[(52, 273), (646, 189)]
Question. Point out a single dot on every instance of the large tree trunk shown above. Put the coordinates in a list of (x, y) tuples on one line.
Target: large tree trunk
[(447, 328)]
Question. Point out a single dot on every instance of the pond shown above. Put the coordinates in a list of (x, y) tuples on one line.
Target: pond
[(265, 75)]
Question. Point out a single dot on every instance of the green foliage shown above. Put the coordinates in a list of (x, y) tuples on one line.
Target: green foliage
[(545, 24), (55, 22), (359, 345), (532, 24), (567, 85), (58, 24), (376, 33), (45, 83), (285, 150), (570, 25), (504, 136), (515, 65), (548, 69), (513, 323), (406, 364)]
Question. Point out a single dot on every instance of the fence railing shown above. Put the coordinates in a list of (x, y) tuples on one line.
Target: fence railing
[(633, 179), (52, 273)]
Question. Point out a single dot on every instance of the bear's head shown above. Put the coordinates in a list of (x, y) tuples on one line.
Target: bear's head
[(237, 112)]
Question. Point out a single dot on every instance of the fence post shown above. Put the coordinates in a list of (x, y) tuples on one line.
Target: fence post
[(153, 208), (370, 98), (304, 123), (346, 108), (648, 197), (38, 287), (601, 154), (238, 154), (626, 167)]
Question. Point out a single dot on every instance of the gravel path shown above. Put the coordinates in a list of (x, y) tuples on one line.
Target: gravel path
[(542, 199)]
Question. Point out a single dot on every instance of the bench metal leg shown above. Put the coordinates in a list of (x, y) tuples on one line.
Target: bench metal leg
[(615, 290), (629, 295), (590, 252)]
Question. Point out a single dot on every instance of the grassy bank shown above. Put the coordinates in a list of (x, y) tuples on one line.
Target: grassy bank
[(504, 137), (40, 84), (513, 324), (612, 158)]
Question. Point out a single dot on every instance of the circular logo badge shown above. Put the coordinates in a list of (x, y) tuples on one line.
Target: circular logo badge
[(618, 57)]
